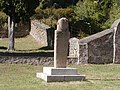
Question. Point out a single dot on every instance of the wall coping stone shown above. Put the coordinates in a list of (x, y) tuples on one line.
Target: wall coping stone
[(96, 36)]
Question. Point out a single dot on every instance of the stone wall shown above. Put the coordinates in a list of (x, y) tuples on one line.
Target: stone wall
[(32, 60), (100, 48), (116, 48), (83, 53), (97, 48), (42, 33), (73, 47)]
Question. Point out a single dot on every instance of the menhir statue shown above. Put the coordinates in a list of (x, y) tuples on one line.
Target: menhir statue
[(62, 36)]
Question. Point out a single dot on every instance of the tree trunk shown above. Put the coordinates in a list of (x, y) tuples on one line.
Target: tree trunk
[(11, 27)]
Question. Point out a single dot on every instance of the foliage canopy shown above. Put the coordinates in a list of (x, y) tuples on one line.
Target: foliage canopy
[(19, 9), (86, 16)]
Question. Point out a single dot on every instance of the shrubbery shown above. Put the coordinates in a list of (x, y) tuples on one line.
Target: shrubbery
[(51, 15), (86, 16), (3, 20), (92, 15)]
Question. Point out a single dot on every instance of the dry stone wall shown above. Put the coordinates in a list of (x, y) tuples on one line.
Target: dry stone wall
[(32, 60), (42, 33), (73, 47), (116, 47), (83, 53), (100, 48)]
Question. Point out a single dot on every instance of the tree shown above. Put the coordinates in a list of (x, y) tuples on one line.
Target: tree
[(17, 10), (57, 3), (114, 13)]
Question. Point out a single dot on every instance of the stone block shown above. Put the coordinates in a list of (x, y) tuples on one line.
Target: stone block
[(60, 78), (74, 78), (51, 74), (59, 71)]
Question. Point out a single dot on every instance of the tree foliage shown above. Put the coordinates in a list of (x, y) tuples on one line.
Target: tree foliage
[(86, 16), (19, 9), (56, 3), (114, 13), (92, 14)]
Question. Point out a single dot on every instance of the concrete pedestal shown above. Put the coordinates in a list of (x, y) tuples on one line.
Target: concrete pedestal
[(52, 74)]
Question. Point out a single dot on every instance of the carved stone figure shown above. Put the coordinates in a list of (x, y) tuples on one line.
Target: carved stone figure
[(62, 36)]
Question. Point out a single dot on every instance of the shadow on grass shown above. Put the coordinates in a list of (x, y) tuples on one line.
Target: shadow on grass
[(3, 48), (44, 54), (34, 50), (104, 79), (46, 48)]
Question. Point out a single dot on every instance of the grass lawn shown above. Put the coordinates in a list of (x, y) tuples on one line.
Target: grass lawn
[(27, 43), (23, 77)]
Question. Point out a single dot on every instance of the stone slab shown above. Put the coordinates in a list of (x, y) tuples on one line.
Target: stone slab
[(60, 78), (61, 40), (59, 71), (52, 74)]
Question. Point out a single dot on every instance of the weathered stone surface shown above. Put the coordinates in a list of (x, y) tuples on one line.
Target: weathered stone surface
[(52, 74), (73, 47), (42, 33), (83, 53), (62, 36), (72, 60), (97, 48), (101, 50), (60, 78), (32, 60), (59, 72), (26, 60), (116, 25)]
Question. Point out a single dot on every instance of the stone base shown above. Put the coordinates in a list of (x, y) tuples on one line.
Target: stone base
[(51, 74)]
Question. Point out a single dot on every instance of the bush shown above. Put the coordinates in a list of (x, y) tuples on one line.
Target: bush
[(114, 15), (91, 15), (3, 20), (56, 3), (55, 13), (51, 15)]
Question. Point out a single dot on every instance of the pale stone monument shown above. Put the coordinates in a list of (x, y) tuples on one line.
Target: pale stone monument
[(59, 72), (62, 36)]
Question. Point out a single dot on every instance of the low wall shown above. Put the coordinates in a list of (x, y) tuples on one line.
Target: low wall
[(26, 60), (31, 58), (42, 33)]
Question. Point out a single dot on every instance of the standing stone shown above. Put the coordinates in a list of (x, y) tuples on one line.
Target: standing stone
[(62, 36), (59, 72)]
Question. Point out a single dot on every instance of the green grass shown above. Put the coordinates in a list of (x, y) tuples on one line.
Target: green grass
[(23, 77), (27, 43)]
